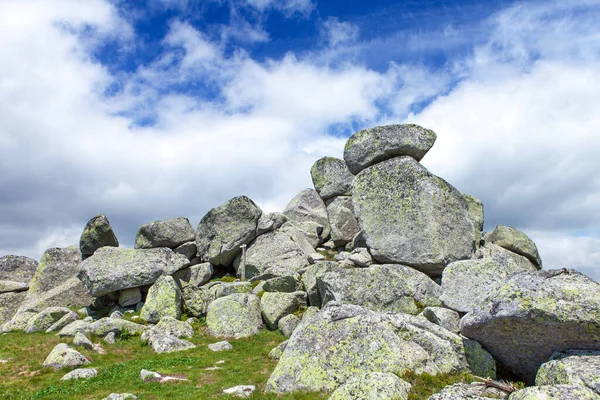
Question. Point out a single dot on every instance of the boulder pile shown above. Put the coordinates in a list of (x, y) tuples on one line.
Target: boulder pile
[(381, 270)]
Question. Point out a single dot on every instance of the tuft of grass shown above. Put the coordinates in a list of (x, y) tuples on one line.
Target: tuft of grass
[(424, 385), (328, 254)]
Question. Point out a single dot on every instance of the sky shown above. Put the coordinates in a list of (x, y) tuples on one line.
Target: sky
[(155, 109)]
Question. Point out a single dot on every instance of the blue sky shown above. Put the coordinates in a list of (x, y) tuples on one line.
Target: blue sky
[(155, 109)]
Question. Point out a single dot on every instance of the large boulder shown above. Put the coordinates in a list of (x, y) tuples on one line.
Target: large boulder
[(514, 240), (372, 386), (17, 268), (275, 305), (558, 392), (63, 356), (412, 217), (342, 341), (9, 304), (166, 233), (111, 269), (96, 233), (273, 249), (331, 178), (533, 314), (307, 211), (56, 266), (47, 318), (466, 283), (163, 300), (371, 146), (344, 225), (383, 288), (237, 315), (224, 229), (571, 367)]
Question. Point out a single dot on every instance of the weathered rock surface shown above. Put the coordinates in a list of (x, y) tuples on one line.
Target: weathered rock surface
[(166, 233), (102, 327), (63, 356), (288, 283), (443, 317), (412, 217), (571, 367), (17, 268), (275, 305), (466, 283), (341, 341), (475, 207), (13, 286), (169, 326), (56, 266), (270, 222), (96, 233), (558, 392), (163, 300), (516, 241), (382, 288), (220, 346), (81, 373), (371, 146), (80, 340), (237, 315), (241, 390), (344, 225), (121, 396), (372, 386), (62, 322), (308, 213), (309, 280), (288, 324), (111, 269), (273, 249), (47, 318), (188, 249), (473, 391), (224, 229), (360, 257), (9, 304), (130, 297), (331, 178), (197, 299), (168, 343), (194, 276), (533, 314)]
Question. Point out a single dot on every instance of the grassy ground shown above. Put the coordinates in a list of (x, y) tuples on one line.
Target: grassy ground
[(23, 376)]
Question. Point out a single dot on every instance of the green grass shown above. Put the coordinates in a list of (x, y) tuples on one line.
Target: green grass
[(425, 385), (328, 254), (23, 377)]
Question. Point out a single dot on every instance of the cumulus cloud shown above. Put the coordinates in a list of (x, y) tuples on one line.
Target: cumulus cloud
[(516, 118)]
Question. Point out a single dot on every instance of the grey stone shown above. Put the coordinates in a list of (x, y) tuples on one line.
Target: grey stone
[(121, 396), (116, 314), (371, 146), (270, 222), (308, 213), (390, 288), (197, 299), (130, 297), (194, 276), (309, 280), (169, 233), (62, 322), (359, 240), (80, 340), (288, 324), (273, 249), (344, 225), (47, 318), (331, 177), (412, 217), (533, 314), (145, 375), (315, 257), (188, 249), (443, 317), (360, 257), (81, 373), (237, 315), (241, 390), (278, 351), (17, 268), (516, 241), (102, 327), (287, 283), (220, 346), (12, 286), (63, 356), (168, 343), (224, 229), (110, 338), (9, 304), (275, 305), (571, 367), (466, 283), (372, 386), (163, 300), (169, 326), (111, 269), (475, 207), (342, 341), (473, 391), (558, 392), (96, 233)]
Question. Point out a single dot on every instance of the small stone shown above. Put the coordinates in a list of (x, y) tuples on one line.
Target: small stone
[(81, 340), (315, 257), (82, 373), (241, 390), (109, 338), (116, 314), (145, 375), (220, 362), (130, 297), (169, 343), (121, 396), (220, 346)]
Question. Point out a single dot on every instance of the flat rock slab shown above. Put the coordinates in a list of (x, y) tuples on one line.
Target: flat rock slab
[(168, 343), (534, 314), (111, 269), (374, 145)]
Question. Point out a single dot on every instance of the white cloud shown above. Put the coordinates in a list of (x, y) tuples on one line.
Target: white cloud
[(288, 7), (335, 32)]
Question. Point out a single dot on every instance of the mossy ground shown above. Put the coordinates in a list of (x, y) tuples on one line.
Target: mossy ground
[(23, 376)]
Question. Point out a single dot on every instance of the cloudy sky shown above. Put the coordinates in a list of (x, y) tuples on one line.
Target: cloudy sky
[(146, 110)]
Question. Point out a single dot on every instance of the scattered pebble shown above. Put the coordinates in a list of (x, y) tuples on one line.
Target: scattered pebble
[(241, 390), (212, 368), (220, 346)]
